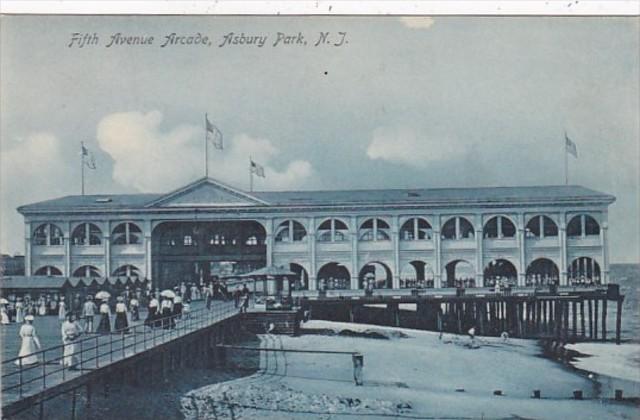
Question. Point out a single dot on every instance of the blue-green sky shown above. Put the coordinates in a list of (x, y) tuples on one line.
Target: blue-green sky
[(448, 101)]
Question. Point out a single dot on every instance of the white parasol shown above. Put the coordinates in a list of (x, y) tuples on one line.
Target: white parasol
[(168, 294), (4, 301), (103, 294)]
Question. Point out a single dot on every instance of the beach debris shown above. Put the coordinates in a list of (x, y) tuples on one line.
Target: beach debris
[(618, 396), (577, 394), (498, 392), (536, 394)]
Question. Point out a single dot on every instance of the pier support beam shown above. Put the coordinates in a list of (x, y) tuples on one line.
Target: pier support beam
[(604, 319), (618, 318)]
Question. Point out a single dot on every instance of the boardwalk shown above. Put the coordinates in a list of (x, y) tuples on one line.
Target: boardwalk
[(96, 352)]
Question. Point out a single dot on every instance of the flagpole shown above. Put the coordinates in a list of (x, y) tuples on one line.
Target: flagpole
[(206, 149), (566, 161), (82, 167)]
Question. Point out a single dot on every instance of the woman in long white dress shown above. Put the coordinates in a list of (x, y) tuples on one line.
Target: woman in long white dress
[(62, 309), (42, 306), (30, 343), (71, 331), (4, 315), (19, 311)]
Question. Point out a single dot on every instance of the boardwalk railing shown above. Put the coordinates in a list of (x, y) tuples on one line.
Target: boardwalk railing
[(94, 351)]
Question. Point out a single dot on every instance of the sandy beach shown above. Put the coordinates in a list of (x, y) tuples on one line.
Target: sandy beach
[(408, 374)]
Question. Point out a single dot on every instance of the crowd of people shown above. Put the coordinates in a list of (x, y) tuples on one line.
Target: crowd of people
[(333, 284)]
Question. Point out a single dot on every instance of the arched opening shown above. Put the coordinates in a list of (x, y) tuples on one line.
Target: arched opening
[(460, 273), (416, 229), (333, 276), (374, 230), (583, 225), (457, 228), (48, 270), (199, 252), (86, 234), (540, 227), (416, 275), (333, 230), (375, 275), (290, 231), (584, 271), (87, 271), (500, 270), (127, 270), (301, 280), (48, 234), (542, 272), (499, 227), (126, 234)]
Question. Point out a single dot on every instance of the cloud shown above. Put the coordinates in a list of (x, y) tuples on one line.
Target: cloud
[(403, 145), (417, 22), (152, 158), (32, 170)]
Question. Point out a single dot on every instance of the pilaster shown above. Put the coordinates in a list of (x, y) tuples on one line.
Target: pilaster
[(562, 230), (522, 251), (479, 251), (313, 270), (604, 243), (396, 251), (438, 251), (27, 248), (354, 253)]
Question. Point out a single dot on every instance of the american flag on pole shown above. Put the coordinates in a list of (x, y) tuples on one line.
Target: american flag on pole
[(570, 146), (87, 157), (213, 134), (257, 169)]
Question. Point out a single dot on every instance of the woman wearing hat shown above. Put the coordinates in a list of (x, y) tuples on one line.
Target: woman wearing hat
[(105, 318), (62, 309), (71, 331), (166, 308), (4, 315), (30, 343), (121, 316), (152, 313), (19, 310)]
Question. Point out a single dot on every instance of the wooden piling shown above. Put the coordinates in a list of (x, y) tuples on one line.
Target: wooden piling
[(595, 319), (604, 319), (582, 320), (618, 318)]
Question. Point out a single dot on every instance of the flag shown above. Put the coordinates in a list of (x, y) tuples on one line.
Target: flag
[(88, 158), (213, 134), (257, 169), (570, 146)]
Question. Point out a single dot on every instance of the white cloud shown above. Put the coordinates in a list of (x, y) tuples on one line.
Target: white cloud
[(417, 22), (403, 145), (32, 170), (153, 159)]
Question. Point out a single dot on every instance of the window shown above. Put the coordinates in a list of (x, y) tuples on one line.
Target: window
[(127, 270), (187, 240), (86, 271), (374, 230), (540, 227), (126, 234), (499, 227), (416, 229), (47, 234), (457, 228), (86, 234), (583, 225), (217, 239), (332, 230), (252, 241), (290, 231), (48, 270)]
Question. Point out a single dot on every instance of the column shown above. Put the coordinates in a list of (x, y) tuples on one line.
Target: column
[(522, 251), (107, 249), (27, 248), (269, 241), (437, 251), (311, 235), (147, 229), (479, 251), (354, 252), (563, 249), (67, 250), (604, 244), (396, 252)]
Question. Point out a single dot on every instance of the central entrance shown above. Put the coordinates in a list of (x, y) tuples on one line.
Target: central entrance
[(198, 252)]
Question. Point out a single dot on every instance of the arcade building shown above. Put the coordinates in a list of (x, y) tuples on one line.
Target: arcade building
[(400, 238)]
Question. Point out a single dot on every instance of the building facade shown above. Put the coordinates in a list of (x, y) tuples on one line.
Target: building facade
[(413, 238)]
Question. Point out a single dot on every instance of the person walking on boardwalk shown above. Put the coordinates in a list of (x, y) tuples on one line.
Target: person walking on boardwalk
[(62, 309), (166, 312), (105, 318), (30, 343), (19, 310), (177, 307), (208, 295), (152, 312), (4, 315), (71, 331), (121, 325), (134, 307), (88, 312)]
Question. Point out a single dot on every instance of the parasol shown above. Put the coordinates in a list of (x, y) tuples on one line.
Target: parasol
[(103, 294), (168, 294), (4, 301)]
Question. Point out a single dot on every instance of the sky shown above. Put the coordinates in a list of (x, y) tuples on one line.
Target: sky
[(400, 103)]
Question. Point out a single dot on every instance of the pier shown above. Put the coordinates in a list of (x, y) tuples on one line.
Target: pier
[(566, 314)]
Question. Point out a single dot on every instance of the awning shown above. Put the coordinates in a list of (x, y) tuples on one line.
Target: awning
[(271, 271), (79, 281), (32, 282)]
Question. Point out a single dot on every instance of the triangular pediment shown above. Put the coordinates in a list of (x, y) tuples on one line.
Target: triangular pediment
[(207, 192)]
